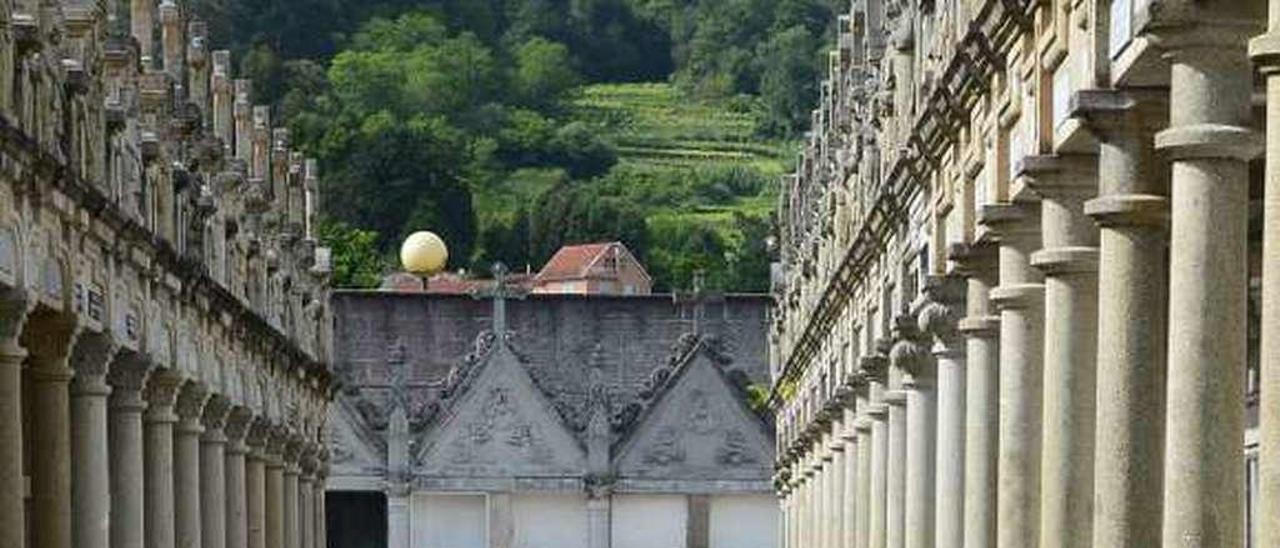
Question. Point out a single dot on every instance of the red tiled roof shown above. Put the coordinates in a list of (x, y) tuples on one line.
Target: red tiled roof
[(453, 284), (572, 261)]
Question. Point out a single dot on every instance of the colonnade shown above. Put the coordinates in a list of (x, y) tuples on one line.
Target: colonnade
[(121, 454), (1059, 291), (162, 347)]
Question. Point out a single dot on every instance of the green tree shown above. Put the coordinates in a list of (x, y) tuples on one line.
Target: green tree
[(577, 148), (544, 73), (357, 264), (788, 85)]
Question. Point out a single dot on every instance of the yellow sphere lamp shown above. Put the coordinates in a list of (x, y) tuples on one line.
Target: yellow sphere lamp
[(423, 254)]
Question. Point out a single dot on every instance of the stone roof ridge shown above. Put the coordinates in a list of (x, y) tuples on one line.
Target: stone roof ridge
[(460, 376), (664, 377)]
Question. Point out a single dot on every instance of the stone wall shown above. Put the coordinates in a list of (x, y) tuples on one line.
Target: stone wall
[(558, 334)]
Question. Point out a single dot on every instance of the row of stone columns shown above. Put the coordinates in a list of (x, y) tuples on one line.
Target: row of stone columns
[(1093, 393), (120, 454)]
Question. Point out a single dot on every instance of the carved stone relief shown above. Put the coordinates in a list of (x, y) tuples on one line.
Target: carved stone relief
[(501, 425), (697, 429)]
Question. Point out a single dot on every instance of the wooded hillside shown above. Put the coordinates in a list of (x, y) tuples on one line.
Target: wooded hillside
[(512, 127)]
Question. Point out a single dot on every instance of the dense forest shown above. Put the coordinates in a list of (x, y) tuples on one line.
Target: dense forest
[(512, 127)]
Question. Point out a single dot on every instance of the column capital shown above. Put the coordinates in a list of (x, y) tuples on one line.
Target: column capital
[(1059, 175), (91, 358), (1129, 210), (292, 452), (980, 326), (127, 376), (1111, 113), (239, 419), (190, 406), (895, 398), (1210, 141), (1264, 50), (216, 412), (873, 368), (945, 300), (862, 425), (1195, 27), (975, 259), (257, 435), (161, 394), (1009, 220), (1066, 260), (908, 354), (15, 306), (48, 336), (309, 460), (1017, 296)]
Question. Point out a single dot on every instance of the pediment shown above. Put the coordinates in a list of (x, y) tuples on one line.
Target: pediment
[(700, 428), (355, 449), (501, 426)]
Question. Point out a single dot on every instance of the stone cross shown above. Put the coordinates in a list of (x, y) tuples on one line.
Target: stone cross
[(500, 293), (699, 297)]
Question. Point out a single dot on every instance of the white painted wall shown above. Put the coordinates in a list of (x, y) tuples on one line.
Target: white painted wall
[(744, 521), (649, 521), (449, 521), (550, 521)]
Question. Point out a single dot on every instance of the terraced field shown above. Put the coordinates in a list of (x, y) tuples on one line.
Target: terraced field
[(704, 177), (652, 125)]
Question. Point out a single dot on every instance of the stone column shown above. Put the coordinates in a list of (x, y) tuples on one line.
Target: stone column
[(398, 517), (306, 482), (1210, 144), (938, 321), (784, 531), (242, 116), (255, 473), (821, 488), (862, 535), (171, 42), (912, 360), (896, 468), (223, 99), (835, 485), (1131, 212), (289, 497), (213, 475), (125, 447), (1069, 261), (186, 464), (237, 498), (874, 369), (981, 330), (162, 395), (1020, 298), (598, 508), (90, 471), (806, 503), (808, 521), (142, 25), (274, 508), (13, 313), (849, 491), (322, 532), (48, 337), (1265, 51)]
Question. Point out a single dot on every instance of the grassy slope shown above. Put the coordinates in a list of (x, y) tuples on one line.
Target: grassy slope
[(666, 138), (668, 148)]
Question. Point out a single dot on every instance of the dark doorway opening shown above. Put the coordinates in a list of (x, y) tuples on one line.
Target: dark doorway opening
[(356, 519)]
